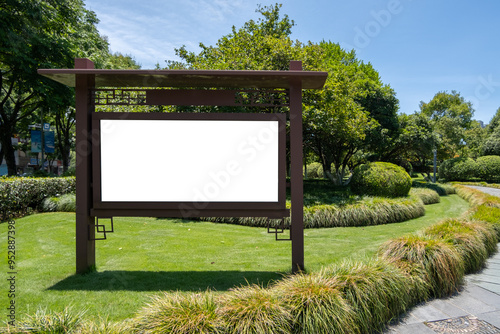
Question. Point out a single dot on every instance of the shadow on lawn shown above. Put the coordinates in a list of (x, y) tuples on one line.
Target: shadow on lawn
[(164, 280)]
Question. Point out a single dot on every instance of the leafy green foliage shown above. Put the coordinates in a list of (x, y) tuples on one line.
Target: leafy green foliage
[(488, 168), (381, 179), (19, 194), (458, 169), (315, 170), (40, 34), (491, 145), (485, 168), (336, 118), (450, 116)]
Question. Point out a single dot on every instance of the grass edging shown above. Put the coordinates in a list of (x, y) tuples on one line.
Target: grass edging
[(370, 211)]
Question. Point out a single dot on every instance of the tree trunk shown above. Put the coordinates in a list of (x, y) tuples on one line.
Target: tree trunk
[(9, 154), (65, 157)]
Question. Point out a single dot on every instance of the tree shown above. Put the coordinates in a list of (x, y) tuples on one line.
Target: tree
[(491, 145), (335, 124), (337, 118), (450, 116), (40, 34), (495, 122), (474, 138)]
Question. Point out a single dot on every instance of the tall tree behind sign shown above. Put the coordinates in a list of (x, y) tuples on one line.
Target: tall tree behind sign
[(40, 34)]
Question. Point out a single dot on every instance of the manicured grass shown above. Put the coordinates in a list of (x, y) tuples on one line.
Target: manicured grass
[(146, 255)]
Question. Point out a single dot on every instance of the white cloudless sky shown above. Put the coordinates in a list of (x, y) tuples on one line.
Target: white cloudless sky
[(419, 47)]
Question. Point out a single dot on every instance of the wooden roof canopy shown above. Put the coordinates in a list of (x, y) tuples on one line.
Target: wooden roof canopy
[(190, 78)]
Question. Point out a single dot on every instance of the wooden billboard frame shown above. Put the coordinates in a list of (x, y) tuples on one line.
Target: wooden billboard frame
[(192, 87)]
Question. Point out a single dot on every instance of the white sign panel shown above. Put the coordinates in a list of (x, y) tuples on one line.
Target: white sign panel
[(189, 160)]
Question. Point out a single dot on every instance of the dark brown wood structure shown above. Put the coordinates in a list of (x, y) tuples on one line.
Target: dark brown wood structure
[(183, 87)]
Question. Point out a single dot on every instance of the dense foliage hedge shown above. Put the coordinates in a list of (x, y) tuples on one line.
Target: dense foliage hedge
[(380, 179), (17, 195), (458, 169), (486, 168)]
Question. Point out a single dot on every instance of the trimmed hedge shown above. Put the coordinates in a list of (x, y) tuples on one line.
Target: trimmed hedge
[(486, 168), (458, 169), (380, 179), (18, 195)]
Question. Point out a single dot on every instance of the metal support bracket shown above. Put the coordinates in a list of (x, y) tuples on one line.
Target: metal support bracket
[(101, 228), (279, 229)]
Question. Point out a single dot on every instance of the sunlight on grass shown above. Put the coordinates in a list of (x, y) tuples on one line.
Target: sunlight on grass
[(147, 255)]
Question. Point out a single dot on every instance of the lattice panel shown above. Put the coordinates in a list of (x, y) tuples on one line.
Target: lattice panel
[(124, 97), (262, 98)]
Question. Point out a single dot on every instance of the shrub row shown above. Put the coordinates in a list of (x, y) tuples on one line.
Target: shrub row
[(18, 195), (486, 168), (369, 211)]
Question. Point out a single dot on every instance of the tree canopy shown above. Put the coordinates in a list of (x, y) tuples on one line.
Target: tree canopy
[(337, 119), (450, 116)]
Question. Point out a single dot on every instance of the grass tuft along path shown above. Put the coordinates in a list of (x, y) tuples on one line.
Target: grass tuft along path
[(146, 255)]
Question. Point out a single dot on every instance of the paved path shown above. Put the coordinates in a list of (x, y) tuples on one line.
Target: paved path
[(475, 310), (491, 191)]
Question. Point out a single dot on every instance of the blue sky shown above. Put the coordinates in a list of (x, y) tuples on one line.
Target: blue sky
[(419, 47)]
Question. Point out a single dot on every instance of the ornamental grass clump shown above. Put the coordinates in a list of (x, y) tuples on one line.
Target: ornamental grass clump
[(443, 266), (103, 326), (180, 314), (490, 215), (377, 291), (254, 309), (43, 321), (443, 189), (317, 304), (469, 239), (428, 196)]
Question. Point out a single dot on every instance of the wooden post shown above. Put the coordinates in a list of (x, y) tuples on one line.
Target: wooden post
[(296, 178), (85, 233)]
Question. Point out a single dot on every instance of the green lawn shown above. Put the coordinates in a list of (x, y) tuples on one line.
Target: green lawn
[(146, 255)]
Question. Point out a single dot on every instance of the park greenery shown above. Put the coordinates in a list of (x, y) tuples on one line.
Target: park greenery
[(359, 149), (356, 284), (355, 119)]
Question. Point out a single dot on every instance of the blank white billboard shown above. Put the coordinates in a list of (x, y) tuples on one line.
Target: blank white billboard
[(189, 160)]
